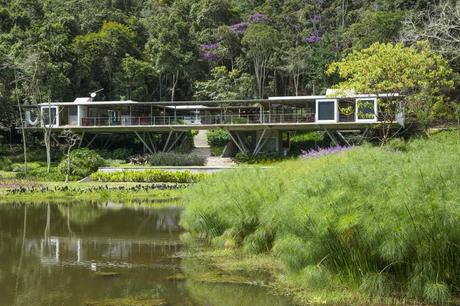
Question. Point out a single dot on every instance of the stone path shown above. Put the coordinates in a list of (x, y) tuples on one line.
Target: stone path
[(202, 149)]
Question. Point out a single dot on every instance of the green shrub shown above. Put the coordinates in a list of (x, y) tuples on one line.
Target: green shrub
[(19, 167), (176, 159), (118, 153), (262, 158), (315, 277), (6, 164), (304, 141), (41, 174), (217, 151), (383, 220), (34, 155), (377, 284), (218, 138), (83, 162), (437, 293), (147, 176), (121, 153)]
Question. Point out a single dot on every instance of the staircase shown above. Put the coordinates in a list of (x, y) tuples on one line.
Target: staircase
[(202, 149), (200, 142)]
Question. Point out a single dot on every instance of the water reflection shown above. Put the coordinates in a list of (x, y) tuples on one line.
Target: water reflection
[(56, 255)]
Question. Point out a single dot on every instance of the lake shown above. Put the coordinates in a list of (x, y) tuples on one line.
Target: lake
[(106, 254)]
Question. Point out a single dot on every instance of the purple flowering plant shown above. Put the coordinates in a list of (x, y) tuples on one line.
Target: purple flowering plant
[(307, 154), (207, 51), (239, 28), (259, 17), (312, 39), (316, 18)]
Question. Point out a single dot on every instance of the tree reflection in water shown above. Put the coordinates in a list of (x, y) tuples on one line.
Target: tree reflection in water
[(46, 253)]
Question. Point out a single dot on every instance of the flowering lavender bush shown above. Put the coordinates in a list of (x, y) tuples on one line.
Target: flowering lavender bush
[(316, 18), (259, 17), (323, 151), (239, 28), (313, 39)]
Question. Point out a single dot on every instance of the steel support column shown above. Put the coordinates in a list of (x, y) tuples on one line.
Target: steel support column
[(175, 141), (332, 137), (167, 141), (236, 142), (258, 147), (343, 138), (143, 142), (81, 139)]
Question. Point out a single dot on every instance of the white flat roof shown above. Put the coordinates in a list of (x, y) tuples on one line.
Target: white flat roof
[(298, 98), (198, 104)]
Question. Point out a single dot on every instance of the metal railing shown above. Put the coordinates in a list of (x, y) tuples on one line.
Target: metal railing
[(233, 119)]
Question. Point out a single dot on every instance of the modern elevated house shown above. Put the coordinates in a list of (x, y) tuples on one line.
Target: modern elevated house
[(255, 126)]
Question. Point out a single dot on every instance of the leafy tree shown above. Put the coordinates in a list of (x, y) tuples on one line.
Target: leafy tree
[(210, 14), (379, 26), (297, 63), (170, 48), (71, 140), (230, 44), (260, 42), (225, 85), (100, 55), (136, 77), (416, 73)]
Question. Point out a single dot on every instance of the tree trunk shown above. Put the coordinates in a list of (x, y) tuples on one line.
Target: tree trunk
[(295, 79), (47, 140), (68, 165), (175, 79), (21, 120)]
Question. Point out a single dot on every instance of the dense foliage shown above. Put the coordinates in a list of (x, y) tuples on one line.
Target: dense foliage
[(384, 220), (83, 162), (417, 73), (203, 49), (217, 138), (147, 176), (176, 159)]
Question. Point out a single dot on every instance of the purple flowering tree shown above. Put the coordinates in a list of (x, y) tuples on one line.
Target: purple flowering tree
[(259, 17), (239, 28), (208, 51)]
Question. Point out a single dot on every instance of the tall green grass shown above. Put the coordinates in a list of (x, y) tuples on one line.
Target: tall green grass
[(386, 221)]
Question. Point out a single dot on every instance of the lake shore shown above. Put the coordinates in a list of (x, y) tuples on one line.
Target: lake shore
[(354, 227)]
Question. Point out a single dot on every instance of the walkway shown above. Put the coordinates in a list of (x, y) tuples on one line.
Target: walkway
[(203, 149)]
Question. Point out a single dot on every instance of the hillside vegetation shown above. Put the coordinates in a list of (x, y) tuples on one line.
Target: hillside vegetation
[(382, 221), (57, 50)]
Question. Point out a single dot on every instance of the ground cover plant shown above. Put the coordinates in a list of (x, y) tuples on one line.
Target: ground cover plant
[(148, 176), (380, 221), (24, 191)]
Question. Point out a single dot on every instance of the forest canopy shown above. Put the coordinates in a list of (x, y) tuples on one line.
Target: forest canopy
[(57, 50)]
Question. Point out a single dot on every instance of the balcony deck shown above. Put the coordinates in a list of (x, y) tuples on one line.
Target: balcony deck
[(229, 122)]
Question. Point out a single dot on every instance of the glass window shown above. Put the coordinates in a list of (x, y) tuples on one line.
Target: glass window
[(326, 110), (47, 115), (365, 109)]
